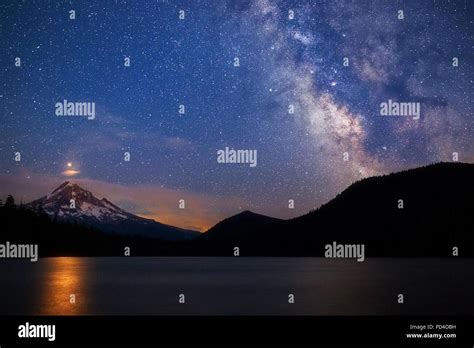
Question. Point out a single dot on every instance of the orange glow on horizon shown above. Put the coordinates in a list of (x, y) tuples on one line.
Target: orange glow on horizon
[(195, 223)]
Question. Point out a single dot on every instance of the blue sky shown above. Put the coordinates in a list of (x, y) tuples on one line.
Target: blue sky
[(189, 62)]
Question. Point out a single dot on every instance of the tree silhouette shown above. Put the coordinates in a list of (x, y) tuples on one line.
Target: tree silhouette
[(10, 202)]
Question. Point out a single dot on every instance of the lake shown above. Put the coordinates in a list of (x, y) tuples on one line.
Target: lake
[(236, 286)]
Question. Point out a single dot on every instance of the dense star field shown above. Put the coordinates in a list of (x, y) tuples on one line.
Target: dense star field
[(302, 83)]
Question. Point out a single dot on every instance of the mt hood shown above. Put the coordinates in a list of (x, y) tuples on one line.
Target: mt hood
[(71, 203)]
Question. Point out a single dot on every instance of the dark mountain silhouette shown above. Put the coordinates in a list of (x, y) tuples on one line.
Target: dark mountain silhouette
[(102, 214), (60, 238), (437, 215), (243, 226)]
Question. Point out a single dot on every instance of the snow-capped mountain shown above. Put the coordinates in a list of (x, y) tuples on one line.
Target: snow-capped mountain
[(69, 202)]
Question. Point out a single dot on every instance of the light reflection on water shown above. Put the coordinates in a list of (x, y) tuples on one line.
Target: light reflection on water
[(236, 286), (64, 276)]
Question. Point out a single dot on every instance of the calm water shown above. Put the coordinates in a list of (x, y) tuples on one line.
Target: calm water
[(238, 286)]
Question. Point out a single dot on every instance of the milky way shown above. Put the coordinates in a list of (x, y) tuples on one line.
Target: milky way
[(306, 94)]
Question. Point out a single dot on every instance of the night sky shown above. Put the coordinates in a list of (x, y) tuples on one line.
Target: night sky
[(190, 62)]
